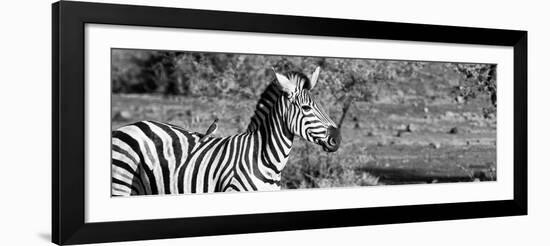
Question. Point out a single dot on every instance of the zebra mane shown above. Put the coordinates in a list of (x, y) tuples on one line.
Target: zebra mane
[(269, 97), (300, 79)]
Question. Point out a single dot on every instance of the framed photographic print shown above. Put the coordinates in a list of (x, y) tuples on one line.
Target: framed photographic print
[(175, 122)]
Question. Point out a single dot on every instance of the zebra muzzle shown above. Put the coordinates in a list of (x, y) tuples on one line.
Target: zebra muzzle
[(332, 142)]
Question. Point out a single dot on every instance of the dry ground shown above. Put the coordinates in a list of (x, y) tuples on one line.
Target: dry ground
[(392, 143)]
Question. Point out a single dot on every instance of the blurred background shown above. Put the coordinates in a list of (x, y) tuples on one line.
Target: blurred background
[(402, 122)]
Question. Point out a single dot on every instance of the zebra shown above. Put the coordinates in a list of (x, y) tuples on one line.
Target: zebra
[(150, 157)]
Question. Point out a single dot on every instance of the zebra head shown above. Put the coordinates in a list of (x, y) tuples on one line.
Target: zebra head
[(304, 116)]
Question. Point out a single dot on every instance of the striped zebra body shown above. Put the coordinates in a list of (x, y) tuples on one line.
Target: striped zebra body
[(151, 157)]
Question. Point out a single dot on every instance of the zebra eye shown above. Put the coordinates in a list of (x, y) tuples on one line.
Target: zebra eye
[(306, 107)]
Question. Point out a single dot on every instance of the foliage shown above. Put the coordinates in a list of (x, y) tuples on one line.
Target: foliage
[(478, 79), (314, 168), (344, 80)]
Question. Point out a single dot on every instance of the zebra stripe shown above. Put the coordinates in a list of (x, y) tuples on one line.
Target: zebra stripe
[(151, 157)]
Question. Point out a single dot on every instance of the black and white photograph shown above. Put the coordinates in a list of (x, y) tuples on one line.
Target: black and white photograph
[(212, 122), (186, 122)]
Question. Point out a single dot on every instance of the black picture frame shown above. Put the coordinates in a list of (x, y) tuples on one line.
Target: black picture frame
[(68, 107)]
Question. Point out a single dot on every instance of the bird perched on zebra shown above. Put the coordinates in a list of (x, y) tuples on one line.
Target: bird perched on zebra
[(211, 130), (150, 157)]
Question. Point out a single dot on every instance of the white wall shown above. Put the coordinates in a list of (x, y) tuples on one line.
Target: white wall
[(25, 108)]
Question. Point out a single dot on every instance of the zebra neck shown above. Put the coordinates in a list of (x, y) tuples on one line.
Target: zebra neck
[(275, 138)]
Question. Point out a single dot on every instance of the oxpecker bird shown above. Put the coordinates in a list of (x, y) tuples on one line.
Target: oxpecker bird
[(211, 130)]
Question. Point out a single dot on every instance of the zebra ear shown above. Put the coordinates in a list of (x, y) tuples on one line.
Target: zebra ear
[(314, 77), (284, 83)]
